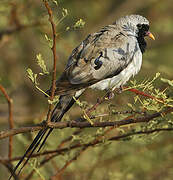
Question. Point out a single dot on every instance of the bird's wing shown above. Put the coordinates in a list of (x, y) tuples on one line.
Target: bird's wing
[(101, 55)]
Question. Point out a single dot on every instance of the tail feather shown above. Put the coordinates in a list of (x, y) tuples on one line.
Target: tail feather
[(64, 106), (61, 108), (32, 146), (44, 140), (30, 154)]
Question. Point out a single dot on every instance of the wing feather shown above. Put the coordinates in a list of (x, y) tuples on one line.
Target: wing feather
[(101, 55)]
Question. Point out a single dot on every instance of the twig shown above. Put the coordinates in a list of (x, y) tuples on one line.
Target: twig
[(54, 58), (69, 138), (60, 171), (62, 150), (10, 119), (136, 91), (51, 156), (115, 138), (99, 101), (9, 166), (9, 31), (93, 143), (73, 124)]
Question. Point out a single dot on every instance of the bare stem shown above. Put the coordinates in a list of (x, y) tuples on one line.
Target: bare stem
[(10, 119), (50, 13)]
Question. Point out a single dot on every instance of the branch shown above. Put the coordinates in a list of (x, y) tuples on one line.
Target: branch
[(9, 166), (10, 31), (10, 119), (98, 141), (73, 124), (143, 94), (61, 170), (54, 58), (90, 144)]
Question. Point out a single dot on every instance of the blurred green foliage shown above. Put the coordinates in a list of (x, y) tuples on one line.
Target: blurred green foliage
[(25, 32)]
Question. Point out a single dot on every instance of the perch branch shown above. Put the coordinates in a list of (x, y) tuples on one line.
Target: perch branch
[(73, 124)]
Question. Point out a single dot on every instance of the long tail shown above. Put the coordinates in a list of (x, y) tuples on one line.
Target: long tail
[(65, 103)]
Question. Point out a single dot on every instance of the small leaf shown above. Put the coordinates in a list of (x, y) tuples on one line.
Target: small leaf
[(79, 24), (35, 79), (55, 2), (50, 41), (41, 63), (67, 28), (157, 74), (130, 105), (135, 99), (64, 12), (170, 82), (30, 74)]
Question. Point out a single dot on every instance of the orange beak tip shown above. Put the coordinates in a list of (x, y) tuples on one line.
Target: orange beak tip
[(151, 35)]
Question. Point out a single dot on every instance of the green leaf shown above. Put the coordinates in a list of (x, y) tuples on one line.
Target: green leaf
[(41, 63), (49, 40), (67, 28), (55, 2), (79, 24), (157, 75), (64, 12), (30, 74), (170, 82)]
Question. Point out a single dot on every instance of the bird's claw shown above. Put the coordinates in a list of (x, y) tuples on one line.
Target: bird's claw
[(119, 90), (110, 95)]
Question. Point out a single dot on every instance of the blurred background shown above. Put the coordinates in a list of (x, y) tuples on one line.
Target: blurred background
[(23, 25)]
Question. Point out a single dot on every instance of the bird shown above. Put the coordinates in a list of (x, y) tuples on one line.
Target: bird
[(104, 60)]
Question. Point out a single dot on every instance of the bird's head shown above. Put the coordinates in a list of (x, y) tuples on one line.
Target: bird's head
[(135, 25)]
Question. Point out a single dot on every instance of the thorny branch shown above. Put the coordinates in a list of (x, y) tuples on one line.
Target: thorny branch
[(73, 124), (137, 92), (10, 119), (98, 141), (93, 143)]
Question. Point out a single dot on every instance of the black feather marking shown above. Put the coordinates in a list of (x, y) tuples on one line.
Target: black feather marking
[(143, 28), (98, 62)]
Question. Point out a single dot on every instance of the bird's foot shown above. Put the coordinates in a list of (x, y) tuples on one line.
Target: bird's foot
[(119, 90), (110, 95)]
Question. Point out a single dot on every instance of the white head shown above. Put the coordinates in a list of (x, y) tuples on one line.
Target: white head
[(132, 23), (133, 19), (136, 25)]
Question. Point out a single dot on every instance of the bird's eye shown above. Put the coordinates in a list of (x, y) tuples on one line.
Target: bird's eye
[(139, 26)]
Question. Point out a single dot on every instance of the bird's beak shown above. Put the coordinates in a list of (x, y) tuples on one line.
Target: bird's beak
[(149, 34)]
